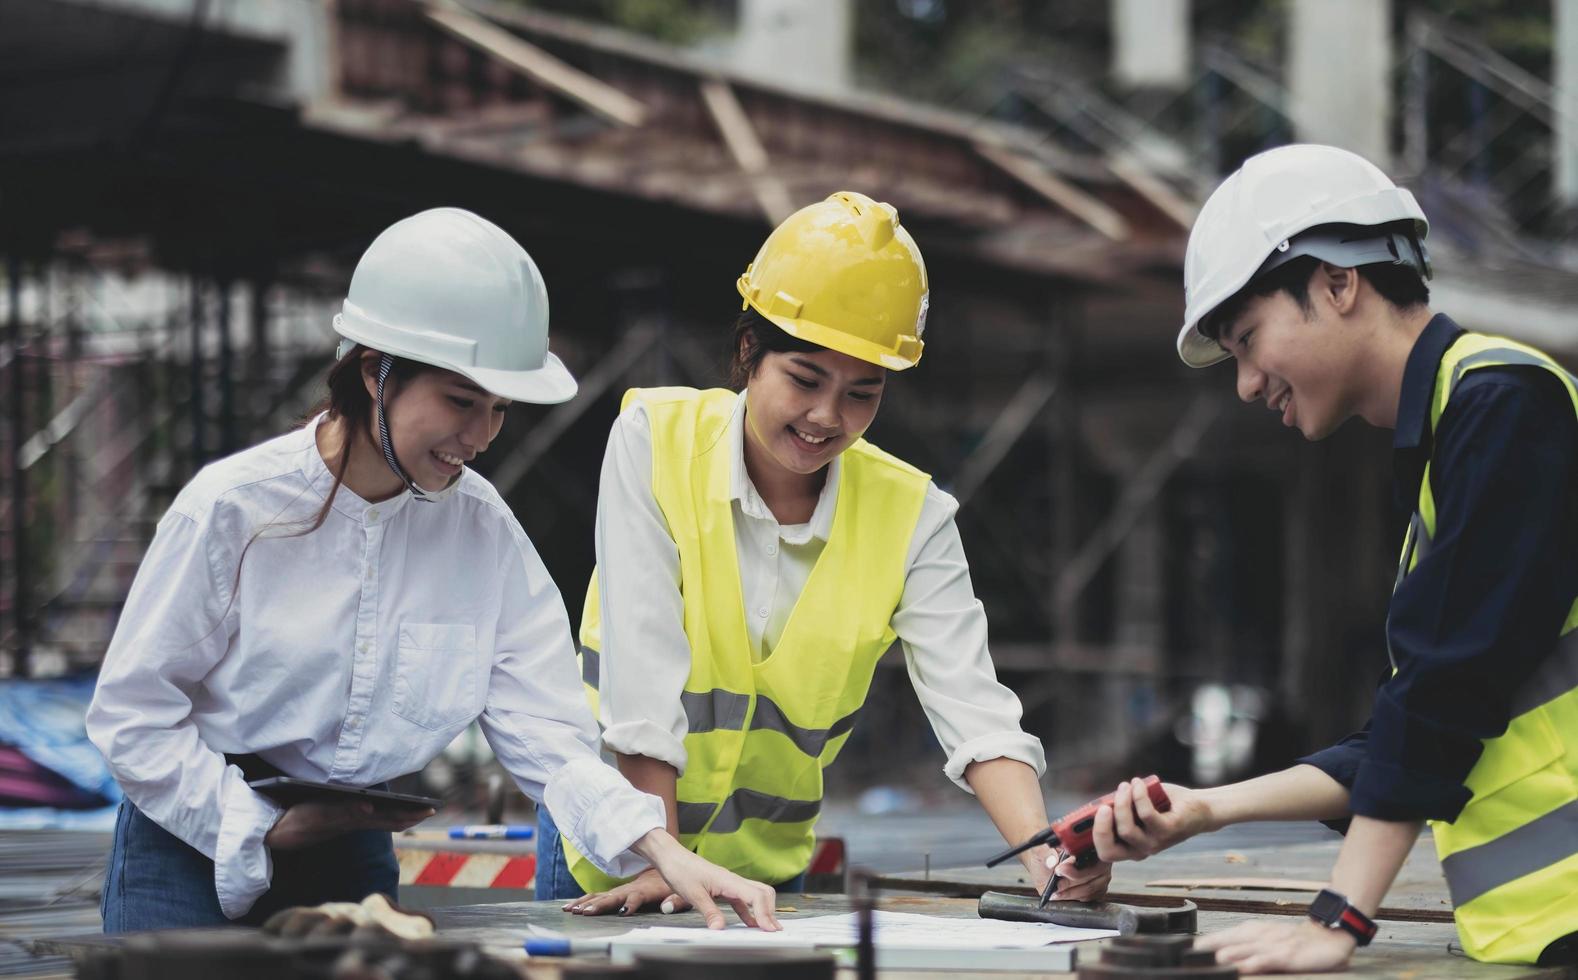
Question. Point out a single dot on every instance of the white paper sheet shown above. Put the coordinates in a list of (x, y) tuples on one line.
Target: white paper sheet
[(906, 930)]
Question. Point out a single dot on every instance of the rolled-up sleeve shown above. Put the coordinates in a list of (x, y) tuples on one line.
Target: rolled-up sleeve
[(943, 629), (176, 625), (1341, 761), (1484, 604), (645, 659), (541, 728)]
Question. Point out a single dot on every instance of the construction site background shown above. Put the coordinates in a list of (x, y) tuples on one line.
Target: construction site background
[(1174, 583)]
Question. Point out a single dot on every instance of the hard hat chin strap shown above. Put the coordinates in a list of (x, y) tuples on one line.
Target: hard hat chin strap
[(385, 365)]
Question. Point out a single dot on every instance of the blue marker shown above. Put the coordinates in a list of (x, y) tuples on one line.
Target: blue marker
[(492, 831), (564, 946)]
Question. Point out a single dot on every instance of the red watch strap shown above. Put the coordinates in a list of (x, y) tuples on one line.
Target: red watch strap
[(1357, 923)]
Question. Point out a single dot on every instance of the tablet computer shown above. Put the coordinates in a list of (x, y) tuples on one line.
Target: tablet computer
[(288, 790)]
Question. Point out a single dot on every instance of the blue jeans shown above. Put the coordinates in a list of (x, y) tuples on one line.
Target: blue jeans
[(554, 881), (155, 880)]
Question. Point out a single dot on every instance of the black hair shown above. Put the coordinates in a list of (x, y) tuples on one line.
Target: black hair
[(347, 400), (1399, 285), (753, 338)]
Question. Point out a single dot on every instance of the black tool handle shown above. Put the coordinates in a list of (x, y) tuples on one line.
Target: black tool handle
[(1046, 836)]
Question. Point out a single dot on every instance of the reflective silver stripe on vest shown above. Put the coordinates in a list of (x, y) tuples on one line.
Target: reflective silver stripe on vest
[(1503, 355), (707, 711), (742, 805), (811, 741), (720, 710), (1555, 676), (589, 662), (1535, 845), (1418, 544), (1415, 542), (694, 816)]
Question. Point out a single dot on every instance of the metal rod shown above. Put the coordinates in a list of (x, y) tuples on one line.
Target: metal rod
[(227, 383), (196, 377), (20, 581), (864, 895)]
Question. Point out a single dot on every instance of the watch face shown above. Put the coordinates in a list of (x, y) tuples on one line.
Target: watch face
[(1327, 907)]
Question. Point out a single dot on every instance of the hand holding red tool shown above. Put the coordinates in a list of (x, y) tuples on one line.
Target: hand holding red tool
[(1073, 833)]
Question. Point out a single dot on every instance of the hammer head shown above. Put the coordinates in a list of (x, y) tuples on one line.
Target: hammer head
[(1129, 920)]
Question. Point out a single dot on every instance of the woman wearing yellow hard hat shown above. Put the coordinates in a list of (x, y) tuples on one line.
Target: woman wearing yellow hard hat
[(756, 557)]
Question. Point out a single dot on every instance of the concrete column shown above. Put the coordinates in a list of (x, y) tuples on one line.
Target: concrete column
[(1565, 57), (1150, 43), (803, 44), (1339, 74)]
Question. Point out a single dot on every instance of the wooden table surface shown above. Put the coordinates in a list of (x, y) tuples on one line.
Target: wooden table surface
[(1416, 939), (1420, 892), (1401, 951)]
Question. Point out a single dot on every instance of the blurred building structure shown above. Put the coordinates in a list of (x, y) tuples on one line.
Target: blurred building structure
[(185, 186)]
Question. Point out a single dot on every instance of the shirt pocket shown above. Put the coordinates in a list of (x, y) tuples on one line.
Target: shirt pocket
[(436, 683)]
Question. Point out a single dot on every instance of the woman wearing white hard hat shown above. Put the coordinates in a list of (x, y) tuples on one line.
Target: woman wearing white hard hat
[(337, 603), (756, 557)]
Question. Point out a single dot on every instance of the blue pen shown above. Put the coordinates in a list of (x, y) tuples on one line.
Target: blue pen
[(492, 831)]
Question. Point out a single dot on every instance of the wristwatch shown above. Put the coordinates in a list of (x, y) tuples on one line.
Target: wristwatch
[(1332, 910)]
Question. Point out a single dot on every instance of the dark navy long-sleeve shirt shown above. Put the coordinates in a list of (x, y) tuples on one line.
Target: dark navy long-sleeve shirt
[(1480, 611)]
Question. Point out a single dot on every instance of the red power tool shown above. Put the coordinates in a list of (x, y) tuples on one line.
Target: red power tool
[(1072, 834)]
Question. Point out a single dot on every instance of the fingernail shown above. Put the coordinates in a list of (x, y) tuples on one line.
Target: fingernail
[(667, 907)]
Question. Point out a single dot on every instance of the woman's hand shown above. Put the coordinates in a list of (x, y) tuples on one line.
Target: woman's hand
[(698, 881), (305, 824), (1087, 884), (646, 888), (1132, 829)]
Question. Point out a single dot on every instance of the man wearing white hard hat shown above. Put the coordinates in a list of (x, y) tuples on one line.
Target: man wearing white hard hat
[(338, 603), (1308, 268)]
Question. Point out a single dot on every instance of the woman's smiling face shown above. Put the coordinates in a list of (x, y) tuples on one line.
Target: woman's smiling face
[(804, 408), (438, 421)]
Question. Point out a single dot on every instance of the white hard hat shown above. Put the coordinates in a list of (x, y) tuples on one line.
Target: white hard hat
[(451, 289), (1252, 223)]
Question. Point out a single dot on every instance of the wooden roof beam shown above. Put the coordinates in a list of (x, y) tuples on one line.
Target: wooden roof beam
[(746, 148), (1056, 190), (1161, 196), (537, 64)]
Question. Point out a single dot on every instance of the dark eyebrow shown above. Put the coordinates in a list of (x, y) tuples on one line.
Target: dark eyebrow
[(821, 372), (469, 386)]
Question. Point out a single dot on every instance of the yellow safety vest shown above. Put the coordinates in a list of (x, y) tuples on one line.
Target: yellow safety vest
[(760, 733), (1511, 856)]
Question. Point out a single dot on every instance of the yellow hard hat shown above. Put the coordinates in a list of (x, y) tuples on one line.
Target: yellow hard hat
[(844, 274)]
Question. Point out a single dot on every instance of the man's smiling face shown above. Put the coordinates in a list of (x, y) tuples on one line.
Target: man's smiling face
[(1297, 362)]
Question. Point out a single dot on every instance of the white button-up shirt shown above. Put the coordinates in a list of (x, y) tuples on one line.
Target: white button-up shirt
[(939, 621), (351, 654)]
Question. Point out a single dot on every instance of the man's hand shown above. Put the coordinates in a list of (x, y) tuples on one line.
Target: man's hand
[(1132, 829), (698, 881), (1281, 947), (646, 888), (305, 824)]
